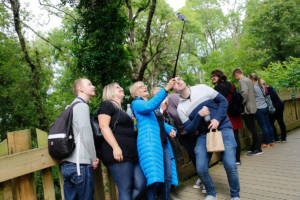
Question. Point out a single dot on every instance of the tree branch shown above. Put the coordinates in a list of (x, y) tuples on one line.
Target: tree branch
[(15, 7), (60, 10), (146, 40), (40, 36), (140, 10)]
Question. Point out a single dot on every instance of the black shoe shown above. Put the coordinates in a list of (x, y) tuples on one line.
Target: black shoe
[(283, 140), (255, 152)]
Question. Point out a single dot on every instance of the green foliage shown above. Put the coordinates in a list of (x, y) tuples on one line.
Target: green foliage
[(274, 25), (99, 42), (283, 75)]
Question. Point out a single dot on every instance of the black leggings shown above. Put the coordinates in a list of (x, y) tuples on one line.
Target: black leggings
[(238, 147)]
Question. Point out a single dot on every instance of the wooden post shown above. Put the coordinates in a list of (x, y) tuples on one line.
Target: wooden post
[(47, 180), (5, 187), (24, 186), (98, 180)]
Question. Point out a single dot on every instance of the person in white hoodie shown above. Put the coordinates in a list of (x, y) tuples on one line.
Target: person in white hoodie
[(77, 169)]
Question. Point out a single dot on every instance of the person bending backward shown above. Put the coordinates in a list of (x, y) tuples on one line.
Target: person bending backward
[(118, 151), (79, 181), (246, 89), (154, 149), (195, 104)]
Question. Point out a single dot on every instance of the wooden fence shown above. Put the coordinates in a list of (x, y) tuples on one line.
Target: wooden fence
[(19, 162)]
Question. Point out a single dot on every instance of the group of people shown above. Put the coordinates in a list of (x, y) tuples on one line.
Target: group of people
[(142, 160)]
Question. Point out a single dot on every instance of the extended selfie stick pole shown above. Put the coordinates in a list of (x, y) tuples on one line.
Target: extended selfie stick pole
[(183, 18)]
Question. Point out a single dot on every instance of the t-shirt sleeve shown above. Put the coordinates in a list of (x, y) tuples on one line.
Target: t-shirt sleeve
[(106, 108), (212, 93)]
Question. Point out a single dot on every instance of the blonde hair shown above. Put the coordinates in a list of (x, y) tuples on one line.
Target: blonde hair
[(134, 87), (76, 85), (256, 78), (109, 91)]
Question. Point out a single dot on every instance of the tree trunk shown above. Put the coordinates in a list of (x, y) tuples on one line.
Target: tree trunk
[(146, 41)]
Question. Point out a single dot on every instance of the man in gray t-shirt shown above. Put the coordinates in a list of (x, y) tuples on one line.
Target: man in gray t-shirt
[(77, 169)]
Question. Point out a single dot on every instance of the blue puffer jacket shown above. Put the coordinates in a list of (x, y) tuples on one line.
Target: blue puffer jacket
[(148, 141)]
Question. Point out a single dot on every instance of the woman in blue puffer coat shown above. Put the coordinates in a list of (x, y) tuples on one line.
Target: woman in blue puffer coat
[(154, 149)]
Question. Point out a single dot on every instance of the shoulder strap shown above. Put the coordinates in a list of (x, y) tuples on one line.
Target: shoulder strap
[(117, 120)]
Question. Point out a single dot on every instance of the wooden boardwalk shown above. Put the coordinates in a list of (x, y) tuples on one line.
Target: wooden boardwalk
[(274, 175)]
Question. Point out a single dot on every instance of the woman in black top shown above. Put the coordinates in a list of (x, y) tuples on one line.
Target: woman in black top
[(227, 89), (118, 151)]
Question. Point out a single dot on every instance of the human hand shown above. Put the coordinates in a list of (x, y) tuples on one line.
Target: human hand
[(214, 124), (164, 105), (95, 164), (118, 154), (204, 111), (173, 133), (170, 84)]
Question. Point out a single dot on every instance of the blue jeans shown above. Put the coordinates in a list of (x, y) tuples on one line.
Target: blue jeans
[(78, 187), (166, 186), (263, 119), (228, 158), (129, 179)]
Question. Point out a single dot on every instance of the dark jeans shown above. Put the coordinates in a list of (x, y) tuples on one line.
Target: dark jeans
[(188, 141), (278, 115), (78, 187), (263, 119), (250, 124), (166, 186), (228, 158), (238, 146), (129, 179)]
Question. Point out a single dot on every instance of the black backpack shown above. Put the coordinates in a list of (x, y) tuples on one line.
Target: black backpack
[(61, 141), (235, 104)]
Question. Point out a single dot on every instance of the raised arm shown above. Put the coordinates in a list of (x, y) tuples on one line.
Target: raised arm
[(144, 107)]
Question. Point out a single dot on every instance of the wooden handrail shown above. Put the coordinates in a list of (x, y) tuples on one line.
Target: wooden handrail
[(15, 165)]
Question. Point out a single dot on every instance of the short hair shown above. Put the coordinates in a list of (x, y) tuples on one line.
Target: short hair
[(237, 71), (134, 87), (76, 85), (109, 91), (220, 74)]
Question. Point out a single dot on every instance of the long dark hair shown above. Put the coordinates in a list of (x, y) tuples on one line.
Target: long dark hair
[(220, 74)]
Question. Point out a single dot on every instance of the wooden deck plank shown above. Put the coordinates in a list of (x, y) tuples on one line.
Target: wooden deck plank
[(274, 175)]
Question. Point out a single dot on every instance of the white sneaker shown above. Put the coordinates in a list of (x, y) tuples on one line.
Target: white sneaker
[(203, 189), (235, 198), (197, 185), (210, 197)]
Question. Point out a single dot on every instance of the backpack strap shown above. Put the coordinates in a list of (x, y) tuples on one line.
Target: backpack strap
[(78, 143), (231, 90)]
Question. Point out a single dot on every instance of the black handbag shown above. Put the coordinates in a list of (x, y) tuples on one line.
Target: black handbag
[(96, 128)]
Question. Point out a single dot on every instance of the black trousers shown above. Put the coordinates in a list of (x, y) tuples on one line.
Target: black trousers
[(188, 141), (250, 124), (278, 115), (238, 147)]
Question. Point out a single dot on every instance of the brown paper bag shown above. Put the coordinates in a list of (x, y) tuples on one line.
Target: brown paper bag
[(214, 141)]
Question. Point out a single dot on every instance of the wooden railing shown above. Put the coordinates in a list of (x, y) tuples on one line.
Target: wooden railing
[(19, 162)]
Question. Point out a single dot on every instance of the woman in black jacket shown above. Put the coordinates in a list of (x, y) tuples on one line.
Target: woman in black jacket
[(278, 115)]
